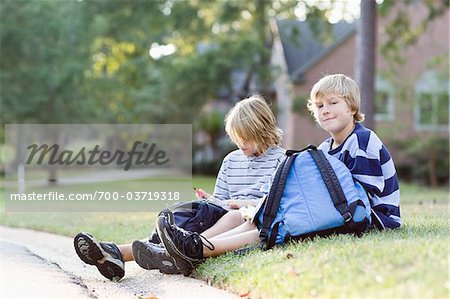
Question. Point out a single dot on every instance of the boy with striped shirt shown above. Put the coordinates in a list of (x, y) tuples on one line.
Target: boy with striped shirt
[(242, 177), (335, 103), (251, 125)]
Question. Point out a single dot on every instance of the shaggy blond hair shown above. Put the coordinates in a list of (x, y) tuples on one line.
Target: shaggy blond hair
[(339, 85), (252, 121)]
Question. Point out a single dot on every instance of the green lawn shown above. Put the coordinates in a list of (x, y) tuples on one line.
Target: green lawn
[(114, 226), (411, 262)]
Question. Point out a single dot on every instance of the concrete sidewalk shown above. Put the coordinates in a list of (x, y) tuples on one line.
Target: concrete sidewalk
[(39, 264)]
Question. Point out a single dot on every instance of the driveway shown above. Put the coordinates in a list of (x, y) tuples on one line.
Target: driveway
[(39, 264)]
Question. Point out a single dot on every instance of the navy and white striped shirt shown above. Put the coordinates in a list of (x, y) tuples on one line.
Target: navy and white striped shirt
[(241, 177), (371, 164)]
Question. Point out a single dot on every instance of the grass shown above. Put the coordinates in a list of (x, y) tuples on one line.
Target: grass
[(114, 226), (411, 262)]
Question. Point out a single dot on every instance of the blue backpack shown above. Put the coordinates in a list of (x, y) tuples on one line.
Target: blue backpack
[(312, 194)]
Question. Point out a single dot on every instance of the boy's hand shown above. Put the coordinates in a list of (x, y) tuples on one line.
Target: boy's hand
[(202, 194), (235, 204)]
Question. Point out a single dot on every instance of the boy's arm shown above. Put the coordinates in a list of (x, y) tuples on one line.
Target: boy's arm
[(366, 168), (221, 191), (376, 173)]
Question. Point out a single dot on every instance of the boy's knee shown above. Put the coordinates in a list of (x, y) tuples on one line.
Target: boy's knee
[(235, 217)]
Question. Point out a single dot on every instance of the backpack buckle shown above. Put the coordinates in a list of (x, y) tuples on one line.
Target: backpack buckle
[(347, 217), (263, 233)]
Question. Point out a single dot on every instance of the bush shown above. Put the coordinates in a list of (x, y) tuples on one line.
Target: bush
[(211, 167), (206, 167), (424, 160)]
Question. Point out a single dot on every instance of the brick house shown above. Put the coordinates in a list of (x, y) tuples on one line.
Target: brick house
[(412, 100)]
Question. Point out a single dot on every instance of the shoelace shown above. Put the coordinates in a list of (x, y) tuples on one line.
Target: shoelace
[(210, 245), (183, 235)]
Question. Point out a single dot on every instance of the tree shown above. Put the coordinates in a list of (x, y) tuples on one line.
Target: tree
[(43, 59), (365, 59), (401, 34), (211, 123)]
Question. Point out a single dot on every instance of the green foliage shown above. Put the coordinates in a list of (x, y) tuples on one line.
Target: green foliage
[(88, 61), (424, 160), (401, 34), (211, 167), (211, 123), (42, 65), (299, 105), (206, 167)]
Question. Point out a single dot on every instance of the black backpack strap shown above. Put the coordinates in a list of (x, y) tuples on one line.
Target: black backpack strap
[(333, 186), (273, 199), (275, 194), (273, 236)]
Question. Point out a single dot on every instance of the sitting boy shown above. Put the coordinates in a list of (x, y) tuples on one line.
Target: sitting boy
[(335, 104), (251, 125)]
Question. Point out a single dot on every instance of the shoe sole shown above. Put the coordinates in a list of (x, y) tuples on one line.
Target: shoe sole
[(181, 261), (146, 259), (90, 252)]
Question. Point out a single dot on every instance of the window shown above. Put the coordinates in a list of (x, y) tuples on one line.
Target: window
[(425, 109), (432, 103), (442, 109), (384, 100)]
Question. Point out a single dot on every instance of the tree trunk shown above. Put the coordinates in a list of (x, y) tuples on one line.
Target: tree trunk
[(432, 169), (365, 59)]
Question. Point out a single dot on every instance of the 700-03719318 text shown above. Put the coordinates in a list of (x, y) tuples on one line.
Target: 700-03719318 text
[(97, 195)]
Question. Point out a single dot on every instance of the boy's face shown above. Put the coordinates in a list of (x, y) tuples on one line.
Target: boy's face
[(248, 148), (334, 114)]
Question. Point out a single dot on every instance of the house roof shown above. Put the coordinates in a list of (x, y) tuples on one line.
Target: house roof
[(303, 46)]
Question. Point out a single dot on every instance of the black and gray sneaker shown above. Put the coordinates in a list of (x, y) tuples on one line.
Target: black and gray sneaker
[(154, 238), (169, 215), (153, 256), (105, 256), (185, 247)]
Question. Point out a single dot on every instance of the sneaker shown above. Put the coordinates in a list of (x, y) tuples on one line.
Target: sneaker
[(169, 215), (153, 256), (154, 238), (105, 256), (185, 247)]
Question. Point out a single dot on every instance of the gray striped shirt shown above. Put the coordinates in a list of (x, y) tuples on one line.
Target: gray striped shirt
[(241, 177)]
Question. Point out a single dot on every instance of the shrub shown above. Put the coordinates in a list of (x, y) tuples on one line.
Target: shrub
[(424, 160)]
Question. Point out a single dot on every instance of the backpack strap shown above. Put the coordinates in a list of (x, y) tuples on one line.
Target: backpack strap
[(274, 197), (334, 187)]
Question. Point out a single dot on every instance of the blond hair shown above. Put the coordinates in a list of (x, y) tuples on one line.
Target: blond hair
[(339, 85), (252, 121)]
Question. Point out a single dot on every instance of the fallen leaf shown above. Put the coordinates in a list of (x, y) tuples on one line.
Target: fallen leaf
[(289, 255), (293, 272), (245, 294)]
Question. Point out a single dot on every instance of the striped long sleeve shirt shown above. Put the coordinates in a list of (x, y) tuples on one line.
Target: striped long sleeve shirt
[(371, 164), (242, 177)]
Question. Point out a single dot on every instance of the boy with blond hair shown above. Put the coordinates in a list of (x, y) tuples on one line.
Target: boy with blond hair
[(335, 103), (251, 125)]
